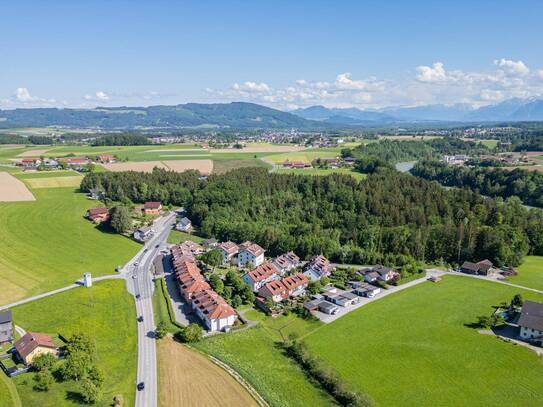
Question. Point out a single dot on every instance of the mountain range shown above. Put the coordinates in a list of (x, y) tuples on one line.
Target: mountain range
[(242, 115)]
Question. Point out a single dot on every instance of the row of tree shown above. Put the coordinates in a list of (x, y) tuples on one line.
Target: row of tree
[(126, 139)]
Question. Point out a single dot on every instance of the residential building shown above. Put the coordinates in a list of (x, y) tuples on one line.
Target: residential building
[(317, 268), (483, 267), (33, 344), (341, 297), (184, 225), (210, 243), (261, 275), (279, 290), (275, 290), (364, 289), (6, 326), (213, 310), (98, 215), (75, 162), (386, 274), (371, 276), (531, 321), (152, 208), (286, 262), (295, 284), (250, 252), (142, 234), (229, 250)]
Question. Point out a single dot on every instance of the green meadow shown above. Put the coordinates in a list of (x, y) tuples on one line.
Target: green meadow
[(106, 313), (530, 273), (47, 244), (321, 171), (414, 349)]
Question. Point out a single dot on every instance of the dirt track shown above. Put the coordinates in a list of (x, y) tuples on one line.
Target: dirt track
[(189, 379), (13, 190)]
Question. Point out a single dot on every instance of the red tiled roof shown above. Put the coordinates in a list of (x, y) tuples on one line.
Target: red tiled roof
[(98, 211), (30, 341), (275, 287), (252, 248), (212, 305), (295, 281), (152, 205), (263, 271), (229, 247)]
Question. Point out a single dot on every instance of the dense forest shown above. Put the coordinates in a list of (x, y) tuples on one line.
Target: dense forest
[(388, 217), (394, 151), (121, 140), (505, 183), (16, 139)]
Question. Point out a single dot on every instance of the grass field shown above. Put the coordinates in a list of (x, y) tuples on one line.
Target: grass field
[(222, 166), (13, 189), (530, 273), (46, 174), (177, 236), (48, 244), (8, 393), (54, 182), (106, 313), (254, 354), (179, 388), (321, 171), (413, 349), (305, 156)]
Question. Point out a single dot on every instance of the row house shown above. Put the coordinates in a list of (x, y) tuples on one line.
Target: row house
[(228, 250), (317, 268), (261, 275), (279, 290), (213, 310), (286, 262)]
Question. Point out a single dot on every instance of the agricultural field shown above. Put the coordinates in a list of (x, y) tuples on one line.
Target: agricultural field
[(55, 182), (413, 348), (106, 312), (530, 273), (305, 156), (199, 388), (47, 244), (254, 353), (13, 190), (204, 166), (222, 166), (321, 171)]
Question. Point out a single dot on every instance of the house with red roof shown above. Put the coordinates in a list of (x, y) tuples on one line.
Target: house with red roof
[(152, 208), (213, 310), (228, 250), (250, 252), (279, 290), (286, 262), (261, 275), (105, 159), (33, 344), (98, 215)]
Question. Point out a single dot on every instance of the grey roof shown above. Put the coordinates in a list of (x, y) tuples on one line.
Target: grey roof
[(327, 305), (5, 317), (532, 315), (185, 221)]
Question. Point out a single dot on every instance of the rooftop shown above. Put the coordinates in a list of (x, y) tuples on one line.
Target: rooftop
[(532, 315)]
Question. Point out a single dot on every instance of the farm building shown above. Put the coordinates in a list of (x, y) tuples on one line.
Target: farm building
[(152, 208), (98, 215), (531, 321), (33, 344), (483, 267)]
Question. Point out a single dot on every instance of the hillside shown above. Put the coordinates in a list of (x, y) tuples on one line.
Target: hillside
[(220, 115)]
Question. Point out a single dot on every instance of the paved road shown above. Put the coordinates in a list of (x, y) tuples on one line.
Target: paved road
[(139, 282)]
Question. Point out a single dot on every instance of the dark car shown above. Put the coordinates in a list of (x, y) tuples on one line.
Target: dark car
[(140, 318), (140, 386)]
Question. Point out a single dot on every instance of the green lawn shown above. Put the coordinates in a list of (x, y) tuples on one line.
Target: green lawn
[(530, 273), (413, 349), (8, 393), (305, 155), (47, 244), (255, 355), (177, 237), (222, 166), (105, 312), (46, 174), (321, 171)]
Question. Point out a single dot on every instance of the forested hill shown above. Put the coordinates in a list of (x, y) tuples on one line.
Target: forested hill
[(388, 217), (223, 115)]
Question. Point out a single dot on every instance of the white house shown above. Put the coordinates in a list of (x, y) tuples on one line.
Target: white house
[(250, 252), (184, 225), (211, 308), (143, 233), (342, 298), (318, 268), (228, 250), (286, 262), (261, 275), (380, 273), (531, 321), (364, 289)]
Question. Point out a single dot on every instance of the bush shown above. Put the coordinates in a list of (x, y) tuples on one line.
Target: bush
[(191, 334), (43, 380), (45, 361)]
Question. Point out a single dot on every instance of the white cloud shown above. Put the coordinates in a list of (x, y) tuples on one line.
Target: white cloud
[(491, 95), (252, 87), (434, 73), (512, 67), (23, 95), (98, 96)]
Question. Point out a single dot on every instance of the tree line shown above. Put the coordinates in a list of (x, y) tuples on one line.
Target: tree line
[(494, 182), (388, 217), (121, 140)]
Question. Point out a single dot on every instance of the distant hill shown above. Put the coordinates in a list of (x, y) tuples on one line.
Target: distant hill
[(351, 116), (221, 115)]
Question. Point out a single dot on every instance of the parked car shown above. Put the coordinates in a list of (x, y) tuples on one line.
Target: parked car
[(141, 386)]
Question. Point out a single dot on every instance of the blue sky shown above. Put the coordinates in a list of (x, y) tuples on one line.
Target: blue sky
[(284, 54)]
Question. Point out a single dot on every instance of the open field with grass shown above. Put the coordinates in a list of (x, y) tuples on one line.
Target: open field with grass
[(55, 182), (179, 388), (45, 174), (47, 244), (222, 166), (13, 190), (106, 313), (305, 156), (321, 171), (176, 236), (8, 393), (413, 349), (530, 273)]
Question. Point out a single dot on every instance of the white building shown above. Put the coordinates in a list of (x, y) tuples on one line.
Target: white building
[(211, 308), (286, 262), (87, 280), (250, 252), (228, 250), (184, 225), (531, 321), (261, 275), (143, 233), (318, 268)]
